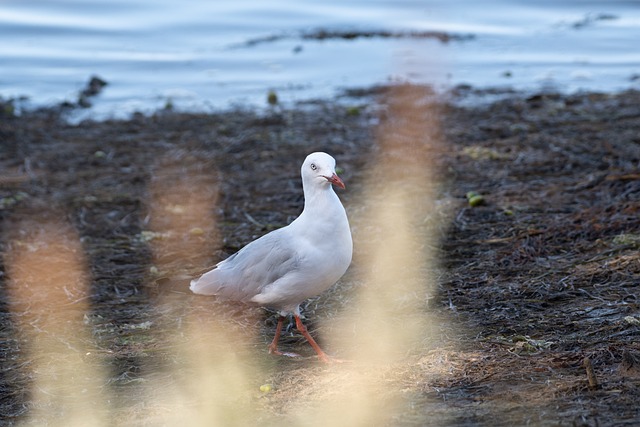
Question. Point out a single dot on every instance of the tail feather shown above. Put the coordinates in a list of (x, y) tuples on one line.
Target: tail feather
[(220, 283), (202, 286), (193, 286)]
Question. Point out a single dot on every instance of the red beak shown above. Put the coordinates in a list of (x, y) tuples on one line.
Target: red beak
[(335, 180)]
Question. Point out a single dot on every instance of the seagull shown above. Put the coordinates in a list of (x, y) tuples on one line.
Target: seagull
[(285, 267)]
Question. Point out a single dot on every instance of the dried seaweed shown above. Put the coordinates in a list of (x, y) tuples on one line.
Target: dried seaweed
[(541, 276)]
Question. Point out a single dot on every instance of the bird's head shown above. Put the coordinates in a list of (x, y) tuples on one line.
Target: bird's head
[(319, 169)]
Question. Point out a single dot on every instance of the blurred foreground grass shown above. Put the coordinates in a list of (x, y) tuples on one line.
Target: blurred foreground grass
[(213, 365)]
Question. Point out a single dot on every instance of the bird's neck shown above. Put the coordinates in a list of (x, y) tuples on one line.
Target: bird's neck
[(322, 217), (320, 199)]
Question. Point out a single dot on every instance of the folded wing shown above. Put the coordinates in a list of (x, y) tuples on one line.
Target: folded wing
[(247, 272)]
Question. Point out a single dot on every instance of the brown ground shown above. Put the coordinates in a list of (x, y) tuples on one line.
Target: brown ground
[(543, 275)]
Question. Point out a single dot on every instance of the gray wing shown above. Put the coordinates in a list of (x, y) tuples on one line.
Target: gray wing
[(245, 273)]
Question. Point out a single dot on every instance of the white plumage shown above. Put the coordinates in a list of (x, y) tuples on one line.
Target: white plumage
[(285, 267)]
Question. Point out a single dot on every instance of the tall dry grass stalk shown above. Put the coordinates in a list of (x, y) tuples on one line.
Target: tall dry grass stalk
[(49, 296), (182, 198), (210, 371), (398, 202), (388, 320)]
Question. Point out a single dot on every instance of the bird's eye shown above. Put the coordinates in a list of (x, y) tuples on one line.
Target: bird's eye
[(313, 166)]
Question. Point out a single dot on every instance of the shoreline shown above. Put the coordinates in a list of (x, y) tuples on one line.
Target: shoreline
[(461, 95)]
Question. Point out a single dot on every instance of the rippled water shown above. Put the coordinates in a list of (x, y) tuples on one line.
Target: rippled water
[(210, 54)]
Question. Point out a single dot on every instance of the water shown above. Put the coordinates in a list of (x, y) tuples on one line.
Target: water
[(197, 55)]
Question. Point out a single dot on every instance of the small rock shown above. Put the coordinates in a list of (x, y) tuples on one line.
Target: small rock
[(196, 231), (266, 388), (272, 98)]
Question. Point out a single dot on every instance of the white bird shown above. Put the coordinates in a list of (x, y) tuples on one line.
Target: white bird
[(289, 265)]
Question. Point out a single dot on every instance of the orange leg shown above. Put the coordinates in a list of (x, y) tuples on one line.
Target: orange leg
[(273, 347), (303, 330)]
